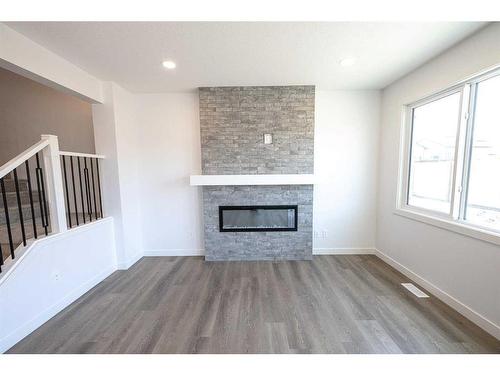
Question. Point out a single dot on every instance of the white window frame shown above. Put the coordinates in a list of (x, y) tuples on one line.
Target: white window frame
[(454, 220)]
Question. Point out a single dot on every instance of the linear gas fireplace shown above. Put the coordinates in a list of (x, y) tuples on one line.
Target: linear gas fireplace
[(266, 218)]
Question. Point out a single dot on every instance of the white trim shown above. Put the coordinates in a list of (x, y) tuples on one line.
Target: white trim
[(18, 251), (406, 145), (404, 155), (252, 179), (79, 154), (460, 227), (458, 165), (201, 252), (467, 153), (51, 238), (22, 157), (54, 185), (7, 342), (343, 251), (130, 262), (414, 290), (455, 304), (174, 252)]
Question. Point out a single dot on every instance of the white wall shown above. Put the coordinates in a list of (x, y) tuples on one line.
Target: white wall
[(53, 273), (116, 136), (25, 57), (128, 130), (465, 270), (345, 163), (170, 153), (346, 142)]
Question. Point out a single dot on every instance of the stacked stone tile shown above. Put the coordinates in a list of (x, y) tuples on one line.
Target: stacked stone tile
[(232, 123)]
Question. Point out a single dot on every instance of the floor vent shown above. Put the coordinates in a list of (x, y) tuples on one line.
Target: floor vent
[(412, 288)]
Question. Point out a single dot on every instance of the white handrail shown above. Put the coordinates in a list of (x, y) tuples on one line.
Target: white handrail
[(21, 158), (69, 153)]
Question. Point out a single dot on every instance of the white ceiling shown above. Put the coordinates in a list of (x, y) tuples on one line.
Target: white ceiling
[(227, 54)]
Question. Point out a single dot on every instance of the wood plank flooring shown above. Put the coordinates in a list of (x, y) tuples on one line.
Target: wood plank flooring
[(332, 304)]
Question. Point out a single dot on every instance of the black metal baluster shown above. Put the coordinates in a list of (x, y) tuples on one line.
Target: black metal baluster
[(99, 186), (30, 192), (87, 188), (74, 190), (7, 218), (93, 187), (39, 189), (1, 258), (19, 206), (41, 192), (67, 191), (81, 188)]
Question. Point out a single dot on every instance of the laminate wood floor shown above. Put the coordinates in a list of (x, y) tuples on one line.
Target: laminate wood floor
[(332, 304)]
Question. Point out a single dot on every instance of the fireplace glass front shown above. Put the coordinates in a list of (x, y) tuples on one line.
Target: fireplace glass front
[(268, 218)]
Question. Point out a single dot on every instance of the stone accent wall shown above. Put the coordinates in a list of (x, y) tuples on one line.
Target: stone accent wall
[(257, 245), (233, 121)]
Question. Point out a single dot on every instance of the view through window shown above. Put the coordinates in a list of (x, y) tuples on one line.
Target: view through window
[(434, 138), (432, 153), (483, 198)]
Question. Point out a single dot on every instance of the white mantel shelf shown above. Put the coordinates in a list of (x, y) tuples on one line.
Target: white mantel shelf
[(252, 179)]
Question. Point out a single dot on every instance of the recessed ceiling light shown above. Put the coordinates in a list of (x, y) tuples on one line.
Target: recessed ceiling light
[(169, 64), (348, 61)]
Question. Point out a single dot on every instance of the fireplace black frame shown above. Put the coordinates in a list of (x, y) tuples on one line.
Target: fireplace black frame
[(259, 207)]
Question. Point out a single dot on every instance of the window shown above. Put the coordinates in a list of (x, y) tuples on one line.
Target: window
[(483, 198), (434, 134), (452, 160)]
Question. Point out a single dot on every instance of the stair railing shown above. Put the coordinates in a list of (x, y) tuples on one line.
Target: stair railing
[(82, 187), (35, 197)]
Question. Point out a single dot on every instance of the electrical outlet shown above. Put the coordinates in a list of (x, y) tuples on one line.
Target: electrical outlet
[(324, 234), (56, 276), (316, 234)]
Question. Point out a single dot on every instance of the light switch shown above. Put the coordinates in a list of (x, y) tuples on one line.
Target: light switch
[(268, 139)]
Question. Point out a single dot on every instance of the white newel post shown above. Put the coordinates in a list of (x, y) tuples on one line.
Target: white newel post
[(54, 183)]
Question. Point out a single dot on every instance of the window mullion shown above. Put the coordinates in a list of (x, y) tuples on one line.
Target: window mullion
[(467, 150), (460, 147)]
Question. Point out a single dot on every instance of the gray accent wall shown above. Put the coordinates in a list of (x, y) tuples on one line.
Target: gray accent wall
[(257, 245), (233, 121)]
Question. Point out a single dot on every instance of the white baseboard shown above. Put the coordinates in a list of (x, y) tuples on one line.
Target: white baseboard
[(129, 262), (174, 252), (455, 304), (7, 342), (201, 252), (342, 251)]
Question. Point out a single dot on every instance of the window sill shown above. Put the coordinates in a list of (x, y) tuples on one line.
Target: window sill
[(452, 226)]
